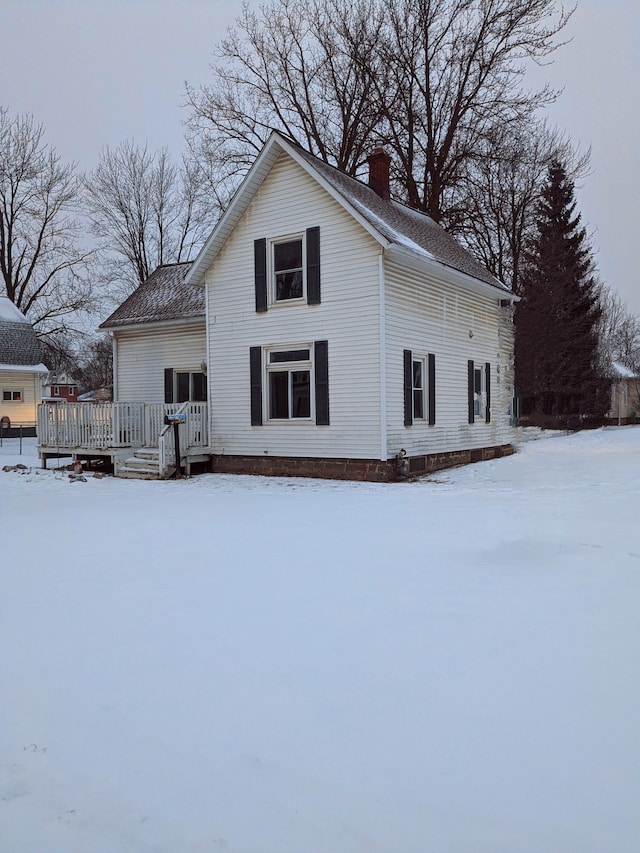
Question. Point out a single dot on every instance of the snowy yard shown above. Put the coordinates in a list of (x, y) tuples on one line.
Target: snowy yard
[(249, 665)]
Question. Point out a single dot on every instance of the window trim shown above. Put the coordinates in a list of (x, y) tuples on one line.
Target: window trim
[(479, 402), (421, 361), (289, 367), (12, 395), (427, 363), (171, 385), (272, 242)]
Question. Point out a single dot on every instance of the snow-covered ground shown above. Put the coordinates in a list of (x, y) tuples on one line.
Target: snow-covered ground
[(297, 666)]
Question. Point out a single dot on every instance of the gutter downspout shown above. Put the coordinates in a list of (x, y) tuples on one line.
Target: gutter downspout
[(382, 358)]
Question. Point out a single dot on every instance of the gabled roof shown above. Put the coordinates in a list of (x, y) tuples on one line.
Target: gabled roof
[(392, 224), (19, 346), (163, 296)]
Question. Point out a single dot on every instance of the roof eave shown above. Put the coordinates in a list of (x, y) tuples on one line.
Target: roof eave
[(155, 324)]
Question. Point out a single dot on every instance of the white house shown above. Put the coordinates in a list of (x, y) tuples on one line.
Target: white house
[(21, 369), (345, 331)]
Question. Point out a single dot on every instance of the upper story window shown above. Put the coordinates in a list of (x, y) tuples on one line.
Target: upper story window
[(287, 269), (288, 278)]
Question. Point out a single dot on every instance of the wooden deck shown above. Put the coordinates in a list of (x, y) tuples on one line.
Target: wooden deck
[(114, 431)]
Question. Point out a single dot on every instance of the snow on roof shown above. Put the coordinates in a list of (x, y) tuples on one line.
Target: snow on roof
[(10, 313), (19, 345), (163, 296), (24, 368), (621, 371), (402, 225)]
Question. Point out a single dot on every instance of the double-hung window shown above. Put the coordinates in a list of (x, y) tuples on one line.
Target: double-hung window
[(479, 391), (419, 388), (289, 384), (287, 268), (418, 377)]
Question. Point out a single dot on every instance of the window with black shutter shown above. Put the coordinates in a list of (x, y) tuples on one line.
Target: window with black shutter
[(287, 269)]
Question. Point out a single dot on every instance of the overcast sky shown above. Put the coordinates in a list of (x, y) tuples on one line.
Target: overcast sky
[(96, 72)]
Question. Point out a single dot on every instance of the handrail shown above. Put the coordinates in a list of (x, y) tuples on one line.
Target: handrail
[(163, 444)]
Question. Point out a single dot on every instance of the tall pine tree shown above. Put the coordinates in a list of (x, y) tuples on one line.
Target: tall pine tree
[(556, 349)]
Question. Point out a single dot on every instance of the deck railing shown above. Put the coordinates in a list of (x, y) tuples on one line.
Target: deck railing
[(192, 434), (103, 426)]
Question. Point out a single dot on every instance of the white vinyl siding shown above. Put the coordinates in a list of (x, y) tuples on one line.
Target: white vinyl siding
[(144, 354), (30, 384), (289, 202), (424, 314)]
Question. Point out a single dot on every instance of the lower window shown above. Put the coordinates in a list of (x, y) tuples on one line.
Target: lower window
[(183, 386), (289, 384), (12, 396), (417, 380)]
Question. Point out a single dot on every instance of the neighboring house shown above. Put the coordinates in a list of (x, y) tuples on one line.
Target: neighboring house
[(60, 387), (348, 335), (21, 370), (159, 340), (625, 395)]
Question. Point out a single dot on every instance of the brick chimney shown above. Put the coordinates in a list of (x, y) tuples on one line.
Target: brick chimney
[(379, 162)]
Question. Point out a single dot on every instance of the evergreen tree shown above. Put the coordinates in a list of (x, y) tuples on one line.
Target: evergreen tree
[(556, 351)]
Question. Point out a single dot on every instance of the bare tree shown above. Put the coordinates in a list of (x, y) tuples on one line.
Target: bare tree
[(95, 365), (503, 190), (305, 68), (619, 332), (455, 74), (145, 212), (43, 272), (431, 79)]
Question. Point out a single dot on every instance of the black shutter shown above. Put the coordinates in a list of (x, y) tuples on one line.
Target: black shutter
[(321, 366), (168, 385), (313, 266), (487, 379), (470, 392), (408, 389), (432, 387), (255, 360), (260, 270)]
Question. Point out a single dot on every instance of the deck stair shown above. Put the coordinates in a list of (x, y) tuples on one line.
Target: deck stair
[(144, 464)]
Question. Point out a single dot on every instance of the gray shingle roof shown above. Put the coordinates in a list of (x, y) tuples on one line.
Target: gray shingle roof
[(18, 342), (163, 296), (402, 225)]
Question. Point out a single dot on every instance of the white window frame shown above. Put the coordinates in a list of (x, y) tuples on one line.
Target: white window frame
[(72, 391), (422, 361), (289, 367), (12, 392), (272, 243), (480, 397)]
